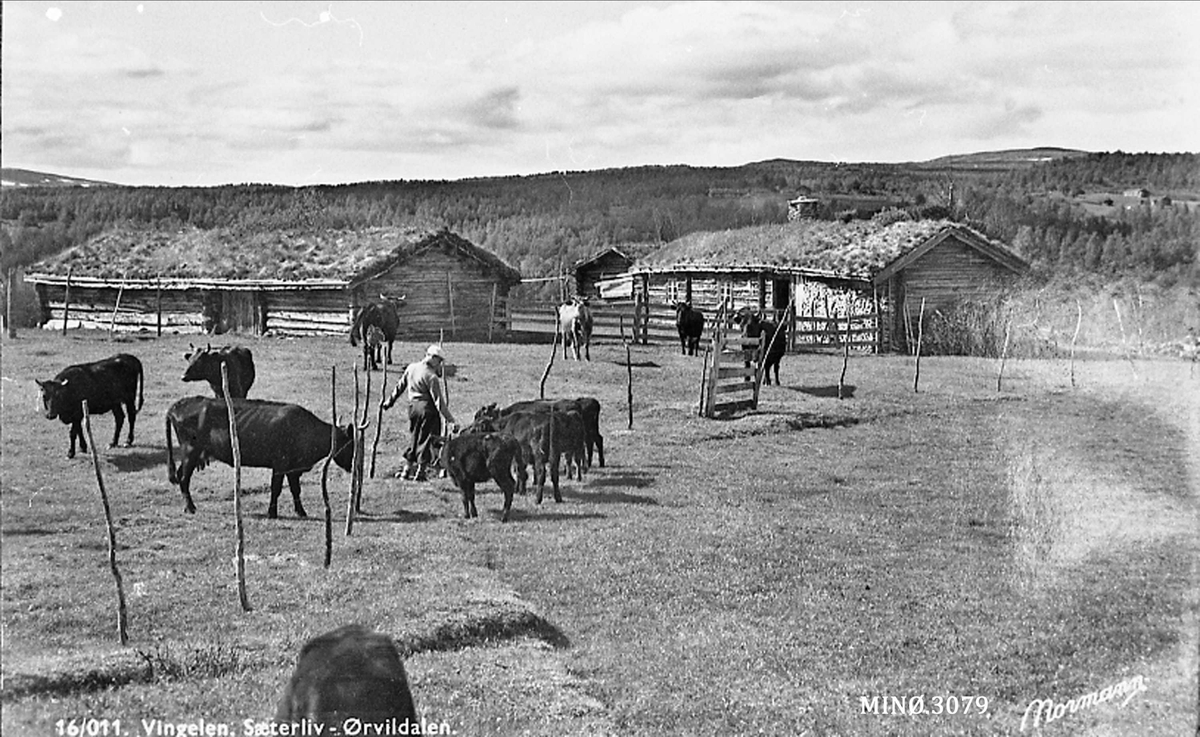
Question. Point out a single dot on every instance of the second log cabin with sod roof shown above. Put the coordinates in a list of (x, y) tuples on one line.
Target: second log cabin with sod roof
[(876, 272), (278, 282)]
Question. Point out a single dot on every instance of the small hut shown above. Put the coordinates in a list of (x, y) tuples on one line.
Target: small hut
[(289, 283), (867, 271)]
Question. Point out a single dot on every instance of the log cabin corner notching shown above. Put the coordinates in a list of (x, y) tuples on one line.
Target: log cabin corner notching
[(284, 283), (826, 271)]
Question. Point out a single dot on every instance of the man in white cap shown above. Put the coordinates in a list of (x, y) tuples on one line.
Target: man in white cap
[(426, 408)]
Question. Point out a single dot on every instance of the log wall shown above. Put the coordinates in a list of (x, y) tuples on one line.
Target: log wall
[(445, 293)]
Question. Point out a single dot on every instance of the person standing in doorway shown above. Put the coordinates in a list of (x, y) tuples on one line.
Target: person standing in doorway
[(427, 406)]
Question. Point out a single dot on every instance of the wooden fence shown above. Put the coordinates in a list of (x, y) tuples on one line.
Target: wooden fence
[(657, 327)]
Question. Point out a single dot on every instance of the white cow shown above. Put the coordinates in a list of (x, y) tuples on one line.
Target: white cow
[(575, 322)]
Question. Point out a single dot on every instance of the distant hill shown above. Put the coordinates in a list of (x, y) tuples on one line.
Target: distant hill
[(1017, 158), (27, 178)]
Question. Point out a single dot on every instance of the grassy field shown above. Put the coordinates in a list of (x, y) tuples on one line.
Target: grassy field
[(765, 574)]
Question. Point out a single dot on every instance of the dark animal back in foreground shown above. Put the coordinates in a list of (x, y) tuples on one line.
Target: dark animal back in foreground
[(348, 673)]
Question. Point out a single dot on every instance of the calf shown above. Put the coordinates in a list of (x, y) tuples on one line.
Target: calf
[(110, 385), (690, 324), (754, 326), (285, 438), (588, 407), (348, 673), (474, 457), (545, 437), (204, 364)]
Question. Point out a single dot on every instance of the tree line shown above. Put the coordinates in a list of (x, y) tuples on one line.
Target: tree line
[(543, 224)]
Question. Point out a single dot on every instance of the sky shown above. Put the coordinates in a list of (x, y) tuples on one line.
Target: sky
[(297, 93)]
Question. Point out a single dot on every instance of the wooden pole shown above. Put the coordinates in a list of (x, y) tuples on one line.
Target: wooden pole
[(1004, 353), (360, 445), (158, 306), (122, 618), (553, 348), (240, 547), (450, 298), (325, 466), (1124, 342), (112, 325), (383, 395), (704, 376), (920, 336), (8, 290), (1075, 337), (67, 300), (350, 502), (629, 392), (845, 355), (492, 312)]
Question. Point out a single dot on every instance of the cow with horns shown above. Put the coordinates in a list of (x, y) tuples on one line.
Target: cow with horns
[(383, 315), (286, 438), (204, 364), (575, 322), (113, 384)]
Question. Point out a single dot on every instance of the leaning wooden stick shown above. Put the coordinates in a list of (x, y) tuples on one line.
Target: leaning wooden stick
[(122, 620), (629, 370), (383, 395), (350, 501), (553, 348), (360, 445), (325, 467), (240, 548), (845, 355), (1004, 353), (1075, 338), (920, 336)]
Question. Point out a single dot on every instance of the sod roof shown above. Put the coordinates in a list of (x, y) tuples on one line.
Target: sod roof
[(273, 256), (859, 249)]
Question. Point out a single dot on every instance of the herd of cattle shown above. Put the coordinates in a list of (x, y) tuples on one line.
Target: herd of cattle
[(353, 672), (500, 445)]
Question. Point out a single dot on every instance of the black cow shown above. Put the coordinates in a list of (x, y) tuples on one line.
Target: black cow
[(204, 364), (474, 457), (349, 673), (285, 438), (753, 326), (690, 324), (384, 315), (109, 385), (543, 442), (588, 407)]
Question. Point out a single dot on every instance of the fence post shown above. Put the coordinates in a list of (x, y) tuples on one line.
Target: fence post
[(122, 619), (235, 446), (67, 301)]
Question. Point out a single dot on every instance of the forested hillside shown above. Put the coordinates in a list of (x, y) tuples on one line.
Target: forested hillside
[(1067, 215)]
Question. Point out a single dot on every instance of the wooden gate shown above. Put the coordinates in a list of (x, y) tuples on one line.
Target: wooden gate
[(732, 371)]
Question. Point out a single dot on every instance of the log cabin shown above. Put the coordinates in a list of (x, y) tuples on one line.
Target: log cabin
[(875, 271), (274, 283)]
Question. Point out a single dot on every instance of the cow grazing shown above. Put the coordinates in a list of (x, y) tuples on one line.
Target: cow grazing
[(204, 364), (110, 385), (285, 438), (753, 326), (588, 407), (690, 324), (474, 457), (575, 323), (545, 436), (384, 315), (349, 673)]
